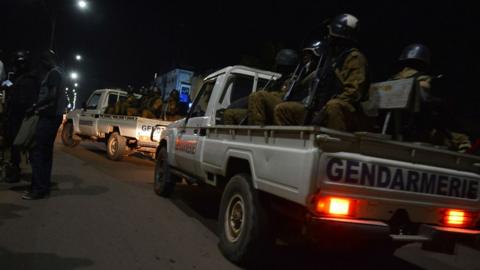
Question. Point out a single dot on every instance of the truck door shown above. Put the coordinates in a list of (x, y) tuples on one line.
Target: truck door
[(189, 140), (87, 116)]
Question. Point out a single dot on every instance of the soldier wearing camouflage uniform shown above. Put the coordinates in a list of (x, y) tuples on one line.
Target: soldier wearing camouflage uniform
[(260, 104), (427, 125), (153, 106), (351, 79), (172, 110)]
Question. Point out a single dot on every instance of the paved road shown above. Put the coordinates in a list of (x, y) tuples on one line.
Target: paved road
[(104, 215)]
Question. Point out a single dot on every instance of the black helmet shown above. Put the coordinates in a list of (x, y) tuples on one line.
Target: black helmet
[(48, 58), (22, 56), (286, 57), (416, 52), (344, 26), (315, 47)]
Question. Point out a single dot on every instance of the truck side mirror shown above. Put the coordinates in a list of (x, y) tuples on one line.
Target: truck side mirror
[(84, 106)]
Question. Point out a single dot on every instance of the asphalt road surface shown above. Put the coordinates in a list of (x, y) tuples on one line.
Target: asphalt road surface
[(104, 215)]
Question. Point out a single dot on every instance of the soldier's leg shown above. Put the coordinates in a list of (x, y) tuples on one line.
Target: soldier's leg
[(234, 116), (289, 113), (338, 113), (148, 114), (260, 106), (461, 142), (132, 112)]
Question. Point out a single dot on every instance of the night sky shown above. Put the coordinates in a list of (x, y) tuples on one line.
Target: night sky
[(126, 42)]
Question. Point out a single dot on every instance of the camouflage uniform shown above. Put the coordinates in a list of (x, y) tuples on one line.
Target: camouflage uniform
[(127, 107), (453, 140), (234, 116), (340, 112), (153, 109), (172, 111), (260, 107)]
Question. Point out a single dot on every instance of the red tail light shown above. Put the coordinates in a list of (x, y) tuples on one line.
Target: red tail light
[(334, 206), (458, 218)]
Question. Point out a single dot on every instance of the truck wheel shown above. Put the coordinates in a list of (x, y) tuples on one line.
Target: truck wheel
[(243, 222), (67, 135), (164, 182), (116, 146)]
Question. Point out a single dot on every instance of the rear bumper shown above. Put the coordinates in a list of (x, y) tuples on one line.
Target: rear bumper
[(435, 238)]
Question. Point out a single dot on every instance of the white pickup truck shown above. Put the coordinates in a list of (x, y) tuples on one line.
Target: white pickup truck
[(123, 135), (331, 185)]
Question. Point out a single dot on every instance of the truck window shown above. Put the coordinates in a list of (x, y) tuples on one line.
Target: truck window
[(122, 98), (261, 83), (93, 101), (201, 101), (112, 99), (238, 86)]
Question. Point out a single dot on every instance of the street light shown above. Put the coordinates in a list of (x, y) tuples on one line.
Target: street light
[(82, 4), (76, 84), (74, 76), (78, 57)]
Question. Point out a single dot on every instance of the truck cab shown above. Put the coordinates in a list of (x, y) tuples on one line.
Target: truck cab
[(96, 104), (223, 87)]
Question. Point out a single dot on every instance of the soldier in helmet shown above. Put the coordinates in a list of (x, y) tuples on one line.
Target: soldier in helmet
[(427, 124), (350, 80), (259, 105)]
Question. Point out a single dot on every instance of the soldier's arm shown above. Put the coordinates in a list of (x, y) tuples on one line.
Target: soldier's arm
[(353, 76), (53, 82)]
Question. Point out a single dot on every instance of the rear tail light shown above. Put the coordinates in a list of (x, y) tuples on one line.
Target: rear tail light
[(334, 206), (458, 218)]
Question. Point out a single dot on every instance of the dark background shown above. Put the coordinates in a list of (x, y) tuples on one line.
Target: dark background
[(126, 42)]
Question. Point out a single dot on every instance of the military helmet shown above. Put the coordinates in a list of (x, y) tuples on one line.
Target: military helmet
[(315, 47), (344, 26), (286, 57), (416, 52), (22, 56), (48, 58)]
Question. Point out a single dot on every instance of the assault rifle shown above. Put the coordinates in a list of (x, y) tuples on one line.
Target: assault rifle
[(321, 89)]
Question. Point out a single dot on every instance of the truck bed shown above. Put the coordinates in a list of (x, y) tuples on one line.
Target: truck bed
[(284, 156)]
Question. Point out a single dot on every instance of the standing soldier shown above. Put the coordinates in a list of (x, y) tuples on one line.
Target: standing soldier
[(50, 107), (349, 80), (427, 124), (22, 95)]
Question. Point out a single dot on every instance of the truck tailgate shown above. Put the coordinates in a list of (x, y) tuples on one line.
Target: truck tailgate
[(386, 179)]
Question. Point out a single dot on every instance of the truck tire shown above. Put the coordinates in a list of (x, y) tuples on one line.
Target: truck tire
[(116, 146), (164, 181), (67, 135), (243, 222)]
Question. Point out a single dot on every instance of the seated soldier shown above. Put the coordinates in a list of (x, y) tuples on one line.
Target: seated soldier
[(172, 110), (428, 124), (349, 80), (259, 105), (154, 104)]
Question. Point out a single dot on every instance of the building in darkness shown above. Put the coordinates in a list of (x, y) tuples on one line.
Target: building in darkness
[(179, 79)]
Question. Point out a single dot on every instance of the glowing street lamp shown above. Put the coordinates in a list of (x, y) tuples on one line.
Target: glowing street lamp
[(74, 76), (82, 4), (76, 84), (78, 57)]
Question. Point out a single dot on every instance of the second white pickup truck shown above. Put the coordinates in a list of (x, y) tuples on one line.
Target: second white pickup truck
[(123, 135)]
